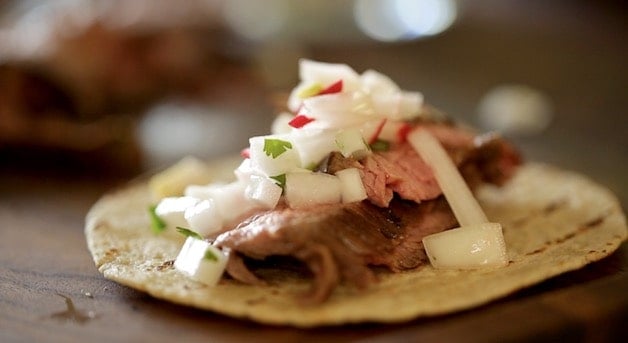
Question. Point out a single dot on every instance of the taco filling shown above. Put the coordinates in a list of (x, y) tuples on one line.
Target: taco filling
[(337, 186)]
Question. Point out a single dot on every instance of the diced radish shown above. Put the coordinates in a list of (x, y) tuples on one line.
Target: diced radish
[(269, 164), (281, 123), (351, 186), (328, 73), (313, 145), (300, 120), (309, 189), (351, 143), (204, 217), (201, 261), (469, 247), (335, 87), (263, 191), (172, 209), (245, 153)]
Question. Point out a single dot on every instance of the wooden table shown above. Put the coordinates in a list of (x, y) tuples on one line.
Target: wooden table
[(51, 291)]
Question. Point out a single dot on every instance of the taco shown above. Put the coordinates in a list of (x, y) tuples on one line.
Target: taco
[(324, 221)]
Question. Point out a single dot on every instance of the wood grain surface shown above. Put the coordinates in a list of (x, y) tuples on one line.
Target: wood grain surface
[(51, 291)]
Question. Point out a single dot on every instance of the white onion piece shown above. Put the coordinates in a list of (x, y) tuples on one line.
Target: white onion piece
[(231, 200), (269, 165), (244, 171), (201, 261), (327, 73), (338, 110), (172, 210), (468, 247), (313, 145), (374, 82), (309, 189), (281, 123), (399, 105), (351, 143), (459, 196), (410, 104), (204, 217), (351, 186), (475, 236), (264, 191)]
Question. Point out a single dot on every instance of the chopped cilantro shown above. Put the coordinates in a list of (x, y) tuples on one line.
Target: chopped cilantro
[(380, 145), (189, 233), (281, 180), (209, 255), (276, 147), (157, 224)]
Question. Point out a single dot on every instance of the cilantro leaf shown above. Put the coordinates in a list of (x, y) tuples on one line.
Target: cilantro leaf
[(281, 180), (157, 224), (209, 255), (276, 147), (380, 145), (189, 233)]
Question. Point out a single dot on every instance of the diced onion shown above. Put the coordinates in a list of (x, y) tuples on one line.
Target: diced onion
[(201, 261), (263, 191), (351, 143), (204, 217), (351, 186), (172, 210), (308, 189), (269, 165), (468, 247), (459, 196), (328, 73), (338, 110), (374, 82), (476, 243), (313, 145)]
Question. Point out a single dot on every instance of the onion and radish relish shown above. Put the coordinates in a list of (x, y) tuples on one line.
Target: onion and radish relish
[(333, 109)]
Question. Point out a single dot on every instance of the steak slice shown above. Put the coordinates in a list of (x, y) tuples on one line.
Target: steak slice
[(341, 242), (338, 243)]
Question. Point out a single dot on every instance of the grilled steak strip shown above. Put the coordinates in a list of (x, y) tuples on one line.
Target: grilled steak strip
[(340, 242)]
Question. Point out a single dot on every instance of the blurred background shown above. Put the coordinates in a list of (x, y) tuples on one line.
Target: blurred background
[(95, 89)]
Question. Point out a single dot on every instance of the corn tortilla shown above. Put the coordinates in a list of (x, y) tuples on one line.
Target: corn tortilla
[(554, 221)]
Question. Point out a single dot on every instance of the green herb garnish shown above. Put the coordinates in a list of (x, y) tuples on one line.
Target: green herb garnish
[(189, 233), (157, 224), (380, 145), (276, 147), (281, 180), (209, 255)]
